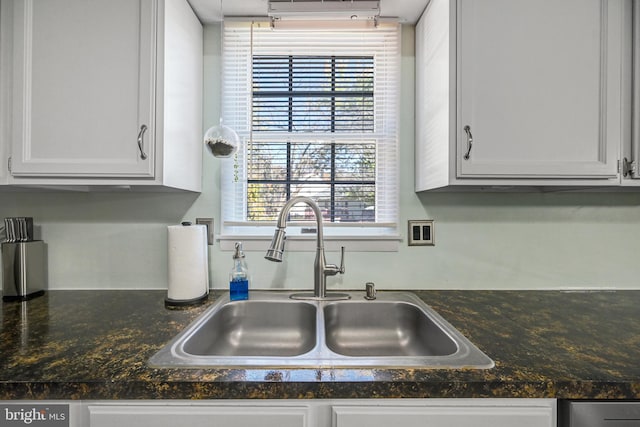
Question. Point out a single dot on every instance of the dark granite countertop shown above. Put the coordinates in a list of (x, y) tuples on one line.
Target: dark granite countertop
[(95, 345)]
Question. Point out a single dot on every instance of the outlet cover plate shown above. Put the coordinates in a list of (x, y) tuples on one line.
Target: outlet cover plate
[(209, 223), (421, 232)]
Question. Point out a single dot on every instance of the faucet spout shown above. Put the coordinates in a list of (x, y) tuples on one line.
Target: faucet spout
[(320, 267), (276, 249)]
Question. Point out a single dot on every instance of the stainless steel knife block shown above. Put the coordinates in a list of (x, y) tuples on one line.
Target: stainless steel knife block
[(23, 270)]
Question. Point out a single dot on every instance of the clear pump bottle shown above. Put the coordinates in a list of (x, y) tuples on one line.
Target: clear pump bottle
[(239, 276)]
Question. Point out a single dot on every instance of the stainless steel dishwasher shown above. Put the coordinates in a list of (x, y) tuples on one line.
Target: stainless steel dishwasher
[(574, 413)]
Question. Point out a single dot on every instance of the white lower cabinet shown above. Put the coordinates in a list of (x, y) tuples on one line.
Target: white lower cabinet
[(449, 414), (195, 415), (324, 413)]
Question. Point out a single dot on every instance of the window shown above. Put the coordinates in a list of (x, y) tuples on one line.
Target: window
[(316, 109), (308, 95)]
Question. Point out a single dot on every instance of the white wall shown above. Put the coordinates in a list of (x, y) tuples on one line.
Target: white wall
[(483, 240)]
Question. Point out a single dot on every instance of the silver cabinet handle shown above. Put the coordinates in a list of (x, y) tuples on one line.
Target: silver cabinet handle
[(467, 129), (143, 129)]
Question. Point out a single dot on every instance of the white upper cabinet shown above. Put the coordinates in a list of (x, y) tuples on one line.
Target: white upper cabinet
[(520, 92), (5, 101), (631, 159), (106, 92)]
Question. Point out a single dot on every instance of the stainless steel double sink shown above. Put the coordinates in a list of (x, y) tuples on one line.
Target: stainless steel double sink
[(397, 329)]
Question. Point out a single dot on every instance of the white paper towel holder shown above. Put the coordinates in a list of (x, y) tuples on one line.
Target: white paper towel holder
[(178, 303)]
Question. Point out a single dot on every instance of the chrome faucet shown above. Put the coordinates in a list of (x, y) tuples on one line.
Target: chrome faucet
[(320, 267)]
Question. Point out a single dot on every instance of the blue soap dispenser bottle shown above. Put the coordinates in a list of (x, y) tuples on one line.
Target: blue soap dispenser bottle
[(239, 276)]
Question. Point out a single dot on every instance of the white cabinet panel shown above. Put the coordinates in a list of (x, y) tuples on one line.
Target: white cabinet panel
[(195, 416), (83, 87), (447, 416), (534, 80), (520, 93), (101, 93), (325, 413), (536, 83), (5, 85), (631, 163)]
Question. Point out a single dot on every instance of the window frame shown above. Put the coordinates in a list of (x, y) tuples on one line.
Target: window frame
[(360, 235)]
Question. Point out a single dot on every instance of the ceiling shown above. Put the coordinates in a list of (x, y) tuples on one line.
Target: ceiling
[(408, 11)]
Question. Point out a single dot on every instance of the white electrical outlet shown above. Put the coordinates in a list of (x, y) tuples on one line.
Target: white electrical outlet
[(209, 223), (421, 233)]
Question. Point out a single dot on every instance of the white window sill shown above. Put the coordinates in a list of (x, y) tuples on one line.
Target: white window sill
[(390, 243)]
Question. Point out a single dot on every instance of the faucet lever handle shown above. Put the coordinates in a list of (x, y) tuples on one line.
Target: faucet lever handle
[(332, 269)]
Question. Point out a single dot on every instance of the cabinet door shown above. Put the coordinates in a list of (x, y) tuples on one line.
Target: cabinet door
[(632, 156), (5, 88), (83, 73), (458, 416), (195, 416), (539, 88)]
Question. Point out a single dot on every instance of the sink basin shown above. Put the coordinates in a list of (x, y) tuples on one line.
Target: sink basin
[(382, 329), (255, 328), (397, 329)]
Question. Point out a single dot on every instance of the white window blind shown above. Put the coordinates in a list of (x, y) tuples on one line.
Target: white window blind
[(315, 106)]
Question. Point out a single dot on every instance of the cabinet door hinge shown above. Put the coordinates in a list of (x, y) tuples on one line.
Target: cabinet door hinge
[(628, 168)]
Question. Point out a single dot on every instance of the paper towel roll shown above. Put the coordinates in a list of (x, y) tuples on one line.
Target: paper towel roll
[(188, 263)]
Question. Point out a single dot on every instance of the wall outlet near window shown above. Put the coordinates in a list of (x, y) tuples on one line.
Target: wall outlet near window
[(421, 233), (209, 223)]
